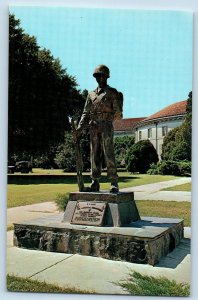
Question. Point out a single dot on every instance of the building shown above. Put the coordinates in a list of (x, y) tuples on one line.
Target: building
[(125, 127), (156, 126)]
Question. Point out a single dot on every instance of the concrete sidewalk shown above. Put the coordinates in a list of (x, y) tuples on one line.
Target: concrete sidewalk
[(29, 212), (164, 195), (154, 191), (155, 187), (92, 273)]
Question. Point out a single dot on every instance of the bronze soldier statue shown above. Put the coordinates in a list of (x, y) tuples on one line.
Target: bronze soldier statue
[(102, 107)]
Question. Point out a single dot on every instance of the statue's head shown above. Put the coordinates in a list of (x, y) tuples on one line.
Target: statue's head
[(101, 73), (101, 70)]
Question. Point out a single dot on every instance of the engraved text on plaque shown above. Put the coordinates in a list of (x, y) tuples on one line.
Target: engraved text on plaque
[(89, 213)]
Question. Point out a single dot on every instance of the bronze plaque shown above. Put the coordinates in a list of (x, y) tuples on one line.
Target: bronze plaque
[(89, 213)]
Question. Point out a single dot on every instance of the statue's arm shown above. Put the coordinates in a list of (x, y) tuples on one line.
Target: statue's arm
[(84, 120), (117, 105)]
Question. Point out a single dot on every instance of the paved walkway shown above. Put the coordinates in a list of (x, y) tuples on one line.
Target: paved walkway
[(154, 191), (28, 212), (164, 195), (91, 273), (157, 186)]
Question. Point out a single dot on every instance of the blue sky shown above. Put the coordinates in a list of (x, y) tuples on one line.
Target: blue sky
[(149, 53)]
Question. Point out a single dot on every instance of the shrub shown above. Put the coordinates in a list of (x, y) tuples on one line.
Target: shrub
[(38, 160), (62, 200), (153, 169), (19, 156), (170, 168), (143, 285), (44, 161), (185, 168), (140, 156)]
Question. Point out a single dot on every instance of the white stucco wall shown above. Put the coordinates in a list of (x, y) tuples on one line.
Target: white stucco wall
[(156, 138)]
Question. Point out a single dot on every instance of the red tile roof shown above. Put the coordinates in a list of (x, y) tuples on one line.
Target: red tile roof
[(178, 108), (126, 124)]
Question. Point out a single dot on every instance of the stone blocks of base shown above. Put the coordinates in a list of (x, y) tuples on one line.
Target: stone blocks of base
[(135, 240)]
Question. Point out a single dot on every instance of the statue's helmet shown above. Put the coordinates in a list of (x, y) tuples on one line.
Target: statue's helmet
[(102, 69)]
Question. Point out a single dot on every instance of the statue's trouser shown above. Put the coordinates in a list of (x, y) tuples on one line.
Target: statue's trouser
[(101, 137)]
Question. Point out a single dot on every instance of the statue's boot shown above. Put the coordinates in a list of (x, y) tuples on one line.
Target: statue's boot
[(114, 186), (95, 186)]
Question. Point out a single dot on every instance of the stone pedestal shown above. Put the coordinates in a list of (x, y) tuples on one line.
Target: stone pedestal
[(103, 225), (101, 209), (143, 242)]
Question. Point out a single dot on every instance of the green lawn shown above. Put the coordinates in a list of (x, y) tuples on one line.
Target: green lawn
[(136, 284), (35, 193), (18, 284), (29, 188), (186, 187)]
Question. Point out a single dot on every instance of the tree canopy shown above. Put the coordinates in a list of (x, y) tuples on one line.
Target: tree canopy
[(121, 146), (42, 95), (177, 143), (66, 155)]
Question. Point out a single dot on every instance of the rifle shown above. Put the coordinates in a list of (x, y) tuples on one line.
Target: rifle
[(79, 161)]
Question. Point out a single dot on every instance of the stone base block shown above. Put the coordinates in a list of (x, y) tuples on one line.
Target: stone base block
[(144, 241), (101, 209)]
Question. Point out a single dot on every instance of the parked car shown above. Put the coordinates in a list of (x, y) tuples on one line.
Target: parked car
[(23, 166), (11, 169), (20, 166)]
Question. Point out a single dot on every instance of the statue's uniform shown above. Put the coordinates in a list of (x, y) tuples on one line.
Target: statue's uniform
[(102, 107)]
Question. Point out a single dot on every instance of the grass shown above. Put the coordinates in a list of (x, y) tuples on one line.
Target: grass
[(19, 284), (165, 209), (140, 285), (29, 189), (186, 187), (137, 284), (30, 194)]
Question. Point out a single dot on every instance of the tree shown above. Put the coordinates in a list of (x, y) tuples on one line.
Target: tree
[(42, 95), (65, 155), (177, 144), (121, 145), (140, 156)]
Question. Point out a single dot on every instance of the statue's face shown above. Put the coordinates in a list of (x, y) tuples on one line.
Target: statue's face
[(101, 80)]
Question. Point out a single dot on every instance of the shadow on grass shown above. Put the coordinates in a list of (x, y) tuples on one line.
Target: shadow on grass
[(58, 179)]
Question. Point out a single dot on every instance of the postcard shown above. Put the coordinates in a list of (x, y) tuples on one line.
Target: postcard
[(99, 151)]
